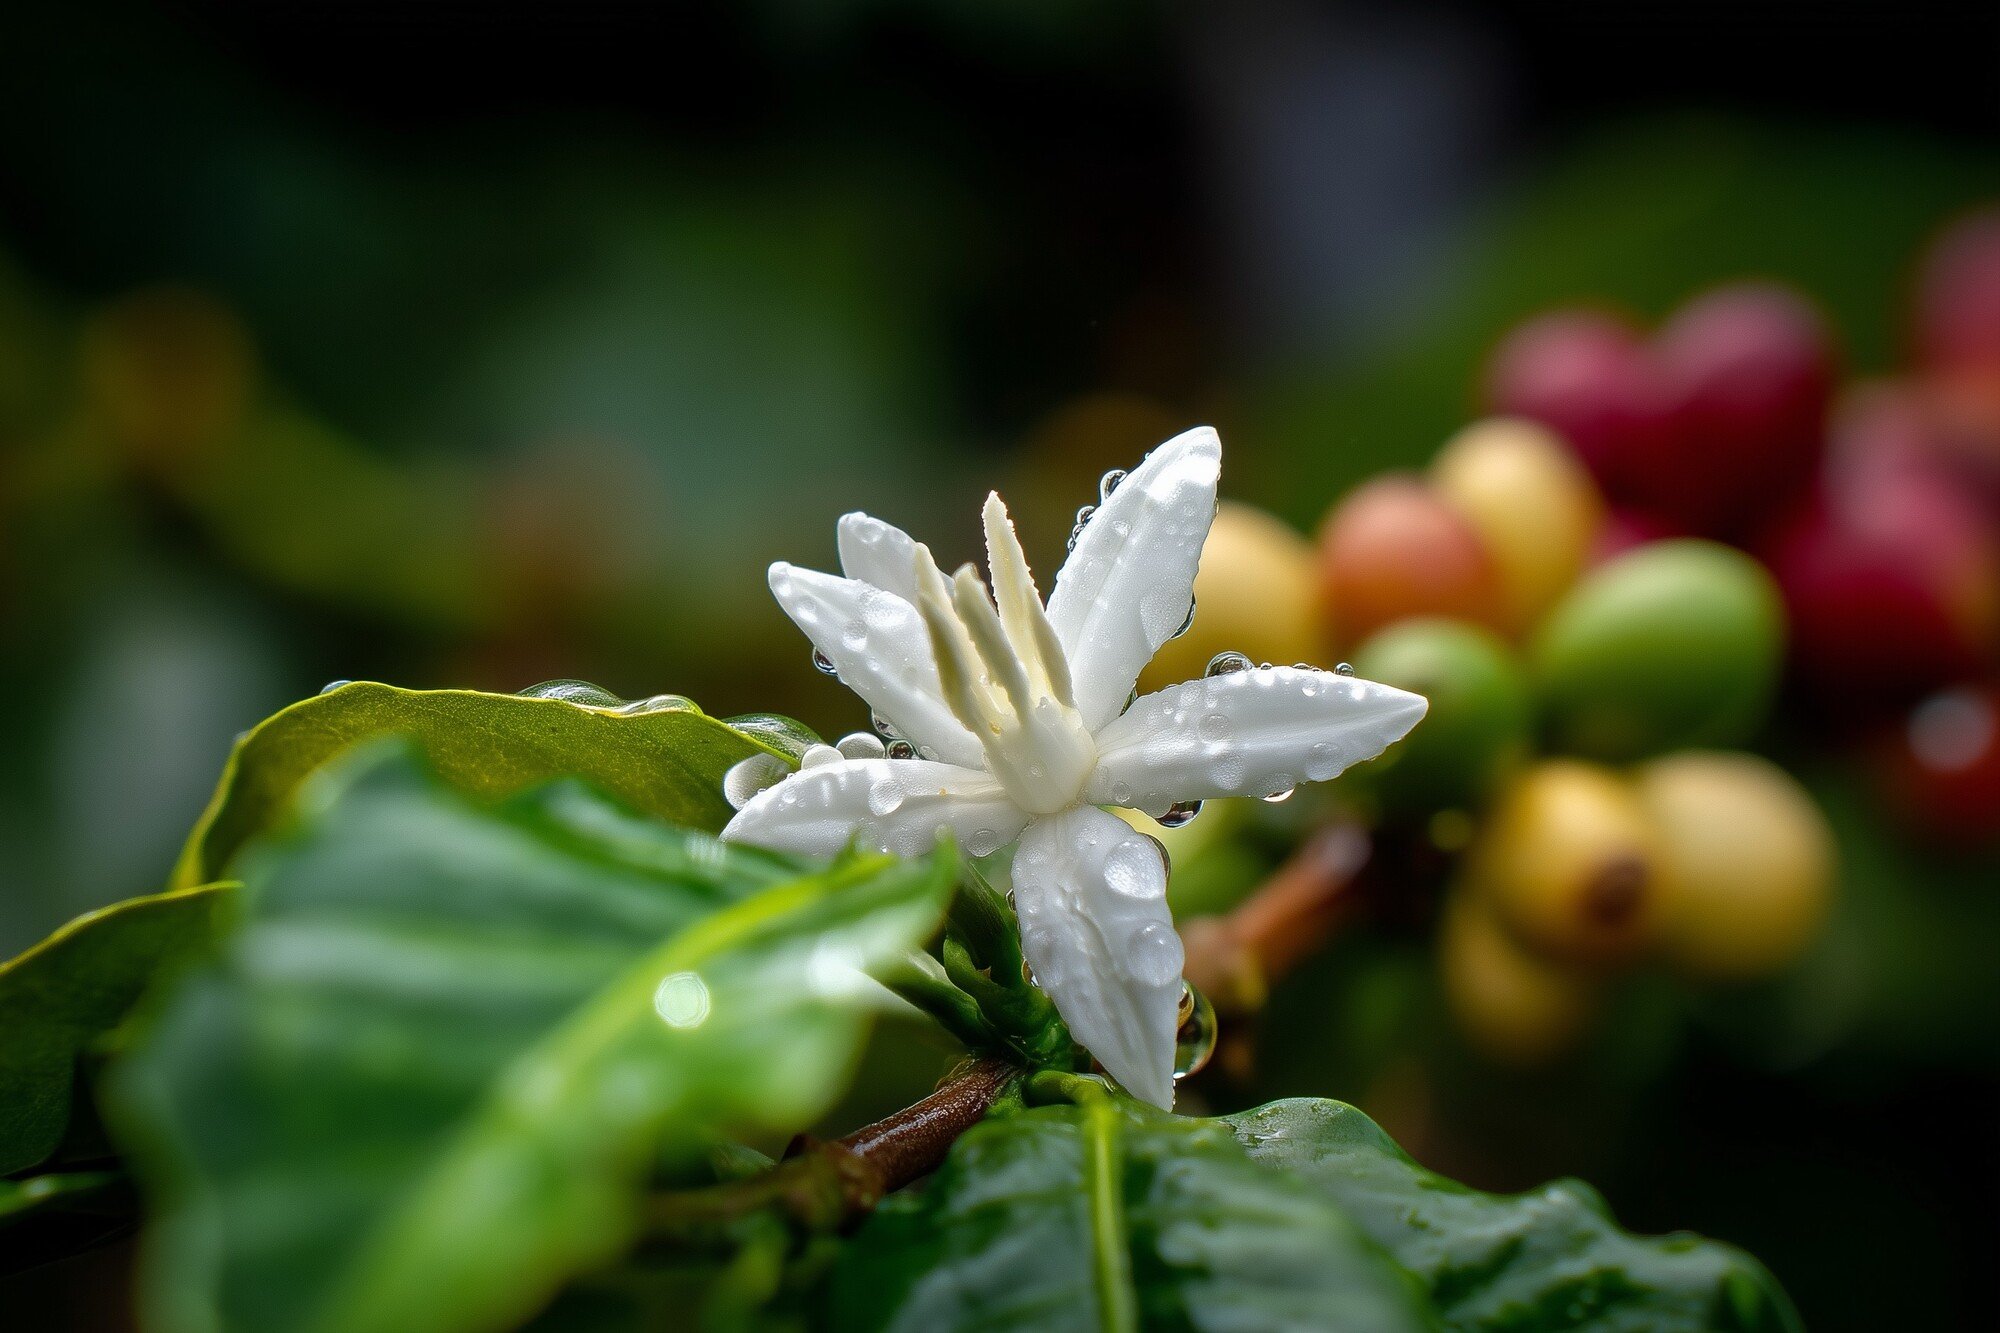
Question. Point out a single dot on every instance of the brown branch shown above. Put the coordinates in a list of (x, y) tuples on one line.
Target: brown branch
[(1235, 957), (825, 1185)]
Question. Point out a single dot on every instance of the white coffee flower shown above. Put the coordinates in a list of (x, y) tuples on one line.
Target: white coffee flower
[(1018, 716)]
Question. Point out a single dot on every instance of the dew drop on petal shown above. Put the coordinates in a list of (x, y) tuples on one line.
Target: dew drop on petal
[(824, 664), (1226, 664), (1345, 668), (1109, 483), (1131, 870), (333, 685), (1180, 814), (885, 797), (900, 749), (1153, 954), (861, 745), (1279, 797), (982, 842), (1213, 726), (1321, 762), (883, 726), (1188, 622), (1194, 1043)]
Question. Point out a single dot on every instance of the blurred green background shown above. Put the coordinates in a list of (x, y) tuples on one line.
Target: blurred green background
[(478, 345)]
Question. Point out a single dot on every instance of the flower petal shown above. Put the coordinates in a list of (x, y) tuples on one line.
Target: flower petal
[(878, 553), (1126, 588), (878, 644), (891, 805), (1249, 733), (1092, 897)]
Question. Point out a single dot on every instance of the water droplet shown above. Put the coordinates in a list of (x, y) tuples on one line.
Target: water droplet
[(1187, 623), (900, 749), (1180, 814), (885, 797), (1226, 664), (659, 703), (1345, 668), (1304, 666), (1131, 871), (982, 842), (824, 665), (1194, 1043), (1280, 797), (1027, 973), (1085, 514), (333, 685), (1213, 726), (855, 635), (1075, 534), (1109, 483), (1121, 792), (746, 778), (1153, 954), (579, 692), (883, 726), (861, 745)]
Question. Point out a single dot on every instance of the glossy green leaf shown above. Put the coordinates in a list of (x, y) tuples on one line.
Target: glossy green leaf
[(428, 1076), (664, 757), (61, 998), (1548, 1259), (48, 1217), (1114, 1216)]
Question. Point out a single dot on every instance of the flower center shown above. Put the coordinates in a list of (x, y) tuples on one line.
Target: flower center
[(1004, 672)]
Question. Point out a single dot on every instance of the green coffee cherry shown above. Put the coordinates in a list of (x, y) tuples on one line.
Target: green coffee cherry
[(1478, 726)]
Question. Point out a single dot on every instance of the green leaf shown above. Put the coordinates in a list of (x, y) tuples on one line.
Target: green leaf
[(1548, 1259), (1114, 1216), (429, 1075), (49, 1217), (665, 760), (65, 996)]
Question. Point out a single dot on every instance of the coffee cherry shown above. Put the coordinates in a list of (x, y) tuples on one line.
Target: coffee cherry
[(1958, 298), (1513, 1007), (1747, 857), (1941, 765), (1571, 864), (1533, 504), (1672, 644), (1477, 729), (1393, 550), (1585, 375), (1744, 373)]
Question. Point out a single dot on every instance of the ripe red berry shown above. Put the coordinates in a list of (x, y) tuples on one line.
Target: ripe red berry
[(1582, 373), (1744, 373), (1958, 298)]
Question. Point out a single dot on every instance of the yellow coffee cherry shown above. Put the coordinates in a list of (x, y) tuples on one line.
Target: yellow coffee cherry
[(1255, 592), (1571, 864), (1749, 861), (1530, 501), (1514, 1007)]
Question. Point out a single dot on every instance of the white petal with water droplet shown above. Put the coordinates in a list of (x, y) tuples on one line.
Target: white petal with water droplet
[(894, 805), (1249, 733), (878, 553), (1125, 588), (1092, 897), (877, 642)]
